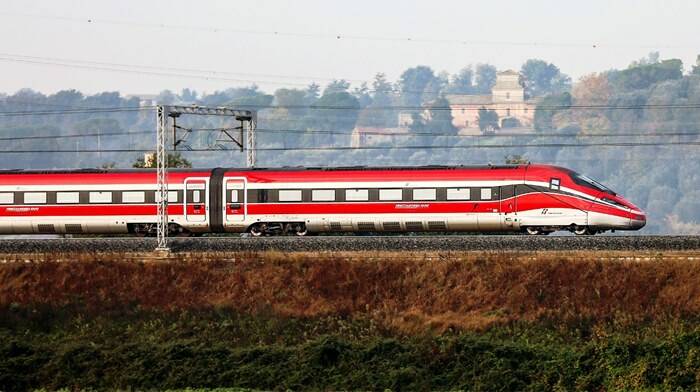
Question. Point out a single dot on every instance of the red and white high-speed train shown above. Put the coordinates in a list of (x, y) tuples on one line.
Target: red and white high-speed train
[(536, 199)]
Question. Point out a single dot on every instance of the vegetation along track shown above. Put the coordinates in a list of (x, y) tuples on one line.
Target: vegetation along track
[(402, 320), (358, 243)]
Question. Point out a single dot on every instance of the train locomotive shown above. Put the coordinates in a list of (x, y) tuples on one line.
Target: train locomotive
[(528, 198)]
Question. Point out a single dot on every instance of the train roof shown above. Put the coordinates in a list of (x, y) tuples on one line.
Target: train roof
[(278, 169)]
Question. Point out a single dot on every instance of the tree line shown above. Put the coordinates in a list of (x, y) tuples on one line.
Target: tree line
[(664, 180)]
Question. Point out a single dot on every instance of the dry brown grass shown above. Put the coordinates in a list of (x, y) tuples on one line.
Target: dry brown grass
[(409, 292)]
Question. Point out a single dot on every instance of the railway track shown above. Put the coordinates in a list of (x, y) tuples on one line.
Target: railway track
[(358, 243)]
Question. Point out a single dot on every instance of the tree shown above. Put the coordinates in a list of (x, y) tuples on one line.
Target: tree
[(488, 120), (166, 97), (174, 160), (540, 78), (440, 117), (341, 119), (462, 82), (417, 123), (378, 112), (413, 83), (641, 76), (337, 86), (289, 97), (188, 96), (66, 98), (362, 95), (312, 93), (516, 159), (548, 107), (485, 78), (696, 67), (257, 101)]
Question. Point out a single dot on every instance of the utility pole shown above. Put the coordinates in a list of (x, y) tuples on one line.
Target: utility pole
[(162, 174), (247, 119)]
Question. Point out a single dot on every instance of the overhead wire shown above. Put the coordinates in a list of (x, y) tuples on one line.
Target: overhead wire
[(339, 36), (368, 148)]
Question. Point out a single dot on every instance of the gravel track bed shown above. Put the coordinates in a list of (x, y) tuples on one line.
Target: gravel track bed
[(351, 243)]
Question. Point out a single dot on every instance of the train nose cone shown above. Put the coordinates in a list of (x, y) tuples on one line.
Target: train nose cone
[(638, 221)]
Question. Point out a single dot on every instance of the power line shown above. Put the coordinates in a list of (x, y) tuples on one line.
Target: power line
[(342, 133), (142, 72), (213, 72), (342, 36), (479, 107), (440, 134), (71, 136), (353, 108), (346, 148), (74, 111), (188, 72)]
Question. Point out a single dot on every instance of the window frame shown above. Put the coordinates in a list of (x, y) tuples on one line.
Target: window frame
[(288, 193), (196, 197), (100, 193), (171, 199), (452, 197), (11, 198), (398, 197), (355, 192), (316, 195), (75, 200), (142, 200), (424, 198), (34, 194), (554, 186)]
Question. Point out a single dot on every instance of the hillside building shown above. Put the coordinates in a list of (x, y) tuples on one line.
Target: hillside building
[(507, 98)]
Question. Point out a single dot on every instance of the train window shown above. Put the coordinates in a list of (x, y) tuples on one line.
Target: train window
[(458, 194), (196, 198), (67, 197), (100, 197), (172, 197), (390, 194), (35, 198), (485, 193), (289, 195), (234, 196), (554, 183), (323, 195), (424, 194), (134, 197), (7, 198), (356, 194)]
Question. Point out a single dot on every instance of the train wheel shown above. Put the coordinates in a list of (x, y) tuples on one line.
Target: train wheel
[(584, 230), (257, 229), (533, 230), (300, 230)]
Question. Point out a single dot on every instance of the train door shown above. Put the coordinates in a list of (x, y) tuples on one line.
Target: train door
[(235, 199), (508, 209), (196, 206)]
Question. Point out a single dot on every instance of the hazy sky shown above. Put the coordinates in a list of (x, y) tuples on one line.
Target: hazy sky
[(237, 39)]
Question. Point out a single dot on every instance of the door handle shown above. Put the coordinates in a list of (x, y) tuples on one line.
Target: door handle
[(234, 206)]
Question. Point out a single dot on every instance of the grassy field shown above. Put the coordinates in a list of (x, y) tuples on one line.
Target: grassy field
[(474, 321)]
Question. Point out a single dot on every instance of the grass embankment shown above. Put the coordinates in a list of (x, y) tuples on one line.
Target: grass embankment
[(489, 321)]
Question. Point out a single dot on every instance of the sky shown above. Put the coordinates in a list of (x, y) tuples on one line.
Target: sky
[(143, 47)]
